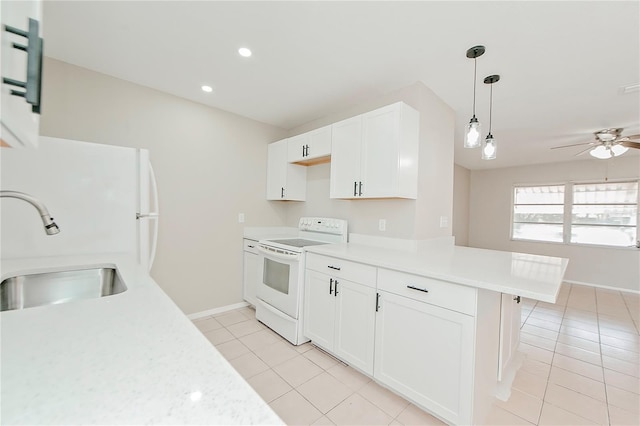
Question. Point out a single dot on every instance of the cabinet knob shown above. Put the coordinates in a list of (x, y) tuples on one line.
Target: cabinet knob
[(517, 299)]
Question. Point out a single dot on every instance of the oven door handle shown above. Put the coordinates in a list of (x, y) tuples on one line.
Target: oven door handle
[(282, 255)]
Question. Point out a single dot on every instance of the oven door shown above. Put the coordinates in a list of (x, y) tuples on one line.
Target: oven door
[(279, 283)]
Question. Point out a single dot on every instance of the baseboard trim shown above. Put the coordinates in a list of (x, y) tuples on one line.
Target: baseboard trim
[(607, 287), (215, 311)]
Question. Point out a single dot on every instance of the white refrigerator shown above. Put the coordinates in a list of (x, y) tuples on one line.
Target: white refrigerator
[(102, 197)]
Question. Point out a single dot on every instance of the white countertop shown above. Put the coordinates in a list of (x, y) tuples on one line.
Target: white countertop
[(130, 358), (527, 275)]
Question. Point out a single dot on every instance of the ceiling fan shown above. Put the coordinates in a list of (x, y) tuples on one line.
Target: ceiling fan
[(608, 143)]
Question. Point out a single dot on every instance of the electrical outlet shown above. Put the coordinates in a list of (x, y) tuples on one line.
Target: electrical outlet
[(240, 217), (444, 221), (382, 224)]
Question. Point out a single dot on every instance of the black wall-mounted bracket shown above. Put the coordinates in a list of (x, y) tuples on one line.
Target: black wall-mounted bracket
[(33, 84)]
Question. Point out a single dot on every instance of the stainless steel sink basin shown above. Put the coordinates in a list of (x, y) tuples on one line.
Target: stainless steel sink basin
[(27, 291)]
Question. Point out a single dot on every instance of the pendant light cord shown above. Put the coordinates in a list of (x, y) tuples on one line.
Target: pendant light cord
[(475, 68), (490, 106)]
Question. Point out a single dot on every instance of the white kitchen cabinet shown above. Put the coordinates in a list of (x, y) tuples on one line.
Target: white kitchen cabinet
[(375, 155), (285, 181), (339, 314), (310, 148), (509, 335), (424, 351), (20, 123), (251, 270)]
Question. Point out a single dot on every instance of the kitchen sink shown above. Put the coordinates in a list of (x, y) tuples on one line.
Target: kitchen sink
[(50, 288)]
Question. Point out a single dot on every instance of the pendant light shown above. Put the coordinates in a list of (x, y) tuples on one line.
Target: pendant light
[(473, 132), (489, 146)]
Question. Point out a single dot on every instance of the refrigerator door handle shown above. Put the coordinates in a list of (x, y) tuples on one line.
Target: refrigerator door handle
[(155, 215)]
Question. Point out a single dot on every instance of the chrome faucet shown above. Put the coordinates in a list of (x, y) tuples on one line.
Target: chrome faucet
[(50, 226)]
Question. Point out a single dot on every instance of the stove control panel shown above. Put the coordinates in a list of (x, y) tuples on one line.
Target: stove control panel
[(324, 225)]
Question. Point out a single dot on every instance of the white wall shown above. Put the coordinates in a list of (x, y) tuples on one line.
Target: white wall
[(461, 193), (210, 166), (490, 219), (410, 219)]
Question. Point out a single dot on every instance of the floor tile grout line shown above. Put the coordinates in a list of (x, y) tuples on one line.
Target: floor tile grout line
[(546, 387), (604, 380)]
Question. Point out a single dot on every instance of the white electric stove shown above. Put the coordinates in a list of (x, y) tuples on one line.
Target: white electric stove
[(280, 290)]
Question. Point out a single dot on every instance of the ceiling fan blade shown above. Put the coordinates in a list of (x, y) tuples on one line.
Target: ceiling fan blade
[(575, 144), (629, 138), (583, 151), (630, 144)]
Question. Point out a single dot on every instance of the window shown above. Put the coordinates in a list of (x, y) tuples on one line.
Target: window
[(603, 213), (538, 213)]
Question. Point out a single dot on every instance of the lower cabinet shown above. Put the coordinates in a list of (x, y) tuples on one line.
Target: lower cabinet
[(426, 353), (339, 316), (250, 271)]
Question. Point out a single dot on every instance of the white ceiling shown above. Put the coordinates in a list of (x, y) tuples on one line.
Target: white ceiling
[(562, 64)]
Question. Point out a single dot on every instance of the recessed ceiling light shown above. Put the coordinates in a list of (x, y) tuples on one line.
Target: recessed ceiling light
[(207, 89), (244, 52)]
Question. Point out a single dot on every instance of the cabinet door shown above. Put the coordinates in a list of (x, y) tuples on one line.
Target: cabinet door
[(20, 126), (426, 353), (319, 309), (250, 277), (276, 170), (379, 157), (284, 181), (310, 146), (355, 324), (319, 143), (345, 158)]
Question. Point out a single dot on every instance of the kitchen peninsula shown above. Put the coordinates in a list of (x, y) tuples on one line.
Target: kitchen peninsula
[(437, 323)]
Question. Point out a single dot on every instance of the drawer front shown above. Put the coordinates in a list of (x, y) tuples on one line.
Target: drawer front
[(250, 245), (440, 293), (338, 268)]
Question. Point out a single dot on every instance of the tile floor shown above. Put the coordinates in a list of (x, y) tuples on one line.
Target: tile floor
[(582, 367)]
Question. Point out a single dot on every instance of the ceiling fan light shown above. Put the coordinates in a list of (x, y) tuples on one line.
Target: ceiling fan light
[(472, 136), (601, 152), (618, 149), (489, 148)]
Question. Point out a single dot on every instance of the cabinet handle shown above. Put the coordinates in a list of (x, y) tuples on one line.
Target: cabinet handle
[(330, 285), (282, 192), (333, 267), (33, 83), (335, 288), (377, 302), (251, 246), (360, 189), (517, 299), (307, 150), (418, 288), (355, 188), (303, 150)]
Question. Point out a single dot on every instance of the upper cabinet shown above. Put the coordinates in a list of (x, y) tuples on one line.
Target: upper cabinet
[(285, 181), (375, 155), (21, 72), (310, 148)]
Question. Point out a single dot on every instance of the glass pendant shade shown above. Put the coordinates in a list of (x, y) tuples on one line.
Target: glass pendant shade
[(473, 134), (618, 150), (601, 152), (489, 148)]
